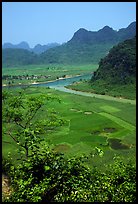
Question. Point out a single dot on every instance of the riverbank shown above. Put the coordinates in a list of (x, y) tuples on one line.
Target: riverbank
[(89, 94), (65, 85), (45, 82), (122, 91)]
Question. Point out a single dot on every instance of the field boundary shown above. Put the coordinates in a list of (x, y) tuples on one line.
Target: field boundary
[(118, 121)]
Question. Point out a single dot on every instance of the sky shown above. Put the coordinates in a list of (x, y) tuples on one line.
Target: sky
[(48, 22)]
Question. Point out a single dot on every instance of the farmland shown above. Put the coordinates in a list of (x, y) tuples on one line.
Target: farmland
[(42, 73), (90, 123)]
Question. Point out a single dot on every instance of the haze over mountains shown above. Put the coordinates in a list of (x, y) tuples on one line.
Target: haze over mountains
[(83, 48), (38, 49)]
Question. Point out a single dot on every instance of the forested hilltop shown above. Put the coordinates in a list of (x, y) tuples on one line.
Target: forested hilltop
[(85, 47), (119, 66), (88, 46), (116, 73), (17, 57)]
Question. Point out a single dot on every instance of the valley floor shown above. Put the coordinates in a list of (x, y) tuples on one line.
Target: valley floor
[(91, 122)]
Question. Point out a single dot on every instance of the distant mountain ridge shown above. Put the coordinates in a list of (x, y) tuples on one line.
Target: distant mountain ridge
[(85, 47), (106, 34), (38, 49), (88, 46), (42, 48)]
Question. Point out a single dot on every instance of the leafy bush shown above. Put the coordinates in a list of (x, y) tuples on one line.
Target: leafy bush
[(49, 176)]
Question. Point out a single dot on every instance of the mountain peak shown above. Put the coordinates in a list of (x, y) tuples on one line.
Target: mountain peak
[(23, 45), (85, 46), (81, 30), (132, 26), (81, 35), (106, 29)]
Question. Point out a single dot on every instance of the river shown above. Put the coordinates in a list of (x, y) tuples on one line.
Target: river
[(61, 83), (56, 83), (66, 81)]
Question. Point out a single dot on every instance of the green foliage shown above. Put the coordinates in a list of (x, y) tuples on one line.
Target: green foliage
[(76, 53), (19, 113), (18, 57), (82, 132), (47, 176), (119, 66), (116, 74)]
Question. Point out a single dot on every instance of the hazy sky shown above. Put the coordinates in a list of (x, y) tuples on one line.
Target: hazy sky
[(46, 22)]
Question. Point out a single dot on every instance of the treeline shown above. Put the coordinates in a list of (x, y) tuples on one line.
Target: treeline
[(10, 77)]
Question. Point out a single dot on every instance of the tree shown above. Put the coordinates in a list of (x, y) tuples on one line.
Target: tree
[(49, 176), (21, 119), (45, 175)]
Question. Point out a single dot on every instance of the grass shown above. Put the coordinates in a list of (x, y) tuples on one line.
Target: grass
[(53, 71), (119, 121), (83, 132), (101, 87)]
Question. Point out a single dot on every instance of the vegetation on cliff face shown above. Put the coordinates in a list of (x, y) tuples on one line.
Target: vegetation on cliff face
[(116, 74), (119, 66)]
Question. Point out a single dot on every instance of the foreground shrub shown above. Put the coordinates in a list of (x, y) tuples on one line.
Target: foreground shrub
[(49, 176)]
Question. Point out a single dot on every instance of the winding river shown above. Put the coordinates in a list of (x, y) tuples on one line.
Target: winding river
[(61, 83)]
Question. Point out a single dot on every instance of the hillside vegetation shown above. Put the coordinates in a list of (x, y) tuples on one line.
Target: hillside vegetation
[(18, 57), (119, 66), (85, 47), (116, 74), (88, 46)]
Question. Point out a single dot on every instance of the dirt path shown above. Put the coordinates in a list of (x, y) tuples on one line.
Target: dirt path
[(105, 97), (6, 190)]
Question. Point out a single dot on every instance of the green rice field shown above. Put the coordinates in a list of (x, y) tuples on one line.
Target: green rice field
[(90, 123), (52, 71)]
